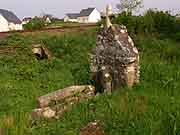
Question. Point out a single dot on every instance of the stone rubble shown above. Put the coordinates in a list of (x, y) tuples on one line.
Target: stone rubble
[(54, 104)]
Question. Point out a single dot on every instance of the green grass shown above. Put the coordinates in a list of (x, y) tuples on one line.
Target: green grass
[(149, 108), (62, 24)]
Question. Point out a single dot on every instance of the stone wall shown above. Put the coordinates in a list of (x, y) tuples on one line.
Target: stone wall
[(53, 105)]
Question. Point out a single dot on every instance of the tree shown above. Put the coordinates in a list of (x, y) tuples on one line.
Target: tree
[(129, 5), (35, 24)]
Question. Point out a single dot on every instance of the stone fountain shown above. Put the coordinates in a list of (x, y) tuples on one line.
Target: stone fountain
[(115, 59)]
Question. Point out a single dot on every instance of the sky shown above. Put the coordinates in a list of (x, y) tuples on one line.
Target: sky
[(58, 8)]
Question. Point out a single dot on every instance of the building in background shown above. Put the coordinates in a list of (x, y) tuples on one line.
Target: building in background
[(178, 15), (71, 17), (89, 15), (9, 21), (26, 20)]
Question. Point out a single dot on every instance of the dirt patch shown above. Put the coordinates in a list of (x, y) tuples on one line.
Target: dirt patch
[(3, 35), (1, 133), (92, 128)]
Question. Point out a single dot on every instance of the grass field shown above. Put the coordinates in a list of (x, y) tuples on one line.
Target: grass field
[(62, 24), (149, 108)]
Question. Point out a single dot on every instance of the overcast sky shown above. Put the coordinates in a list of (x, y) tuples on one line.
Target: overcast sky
[(25, 8)]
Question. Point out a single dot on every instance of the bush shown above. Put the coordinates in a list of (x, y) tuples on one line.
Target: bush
[(163, 22), (151, 23), (35, 24)]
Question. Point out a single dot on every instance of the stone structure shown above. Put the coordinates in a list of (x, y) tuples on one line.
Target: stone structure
[(56, 103), (115, 59), (40, 51)]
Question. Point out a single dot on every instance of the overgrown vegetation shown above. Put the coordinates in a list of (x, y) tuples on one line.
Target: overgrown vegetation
[(62, 24), (149, 108), (156, 23), (35, 24)]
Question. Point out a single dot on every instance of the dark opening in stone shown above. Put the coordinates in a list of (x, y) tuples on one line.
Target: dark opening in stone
[(41, 52)]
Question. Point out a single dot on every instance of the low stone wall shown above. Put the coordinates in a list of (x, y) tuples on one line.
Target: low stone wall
[(56, 103)]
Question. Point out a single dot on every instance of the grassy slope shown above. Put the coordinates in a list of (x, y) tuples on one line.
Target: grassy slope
[(150, 108), (62, 24)]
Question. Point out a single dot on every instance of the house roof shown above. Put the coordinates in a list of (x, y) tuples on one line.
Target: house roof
[(10, 16), (73, 15), (83, 12), (27, 19), (86, 12)]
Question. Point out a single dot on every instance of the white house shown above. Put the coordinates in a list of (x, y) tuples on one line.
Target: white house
[(178, 15), (47, 18), (89, 15), (9, 21), (71, 17), (26, 20)]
